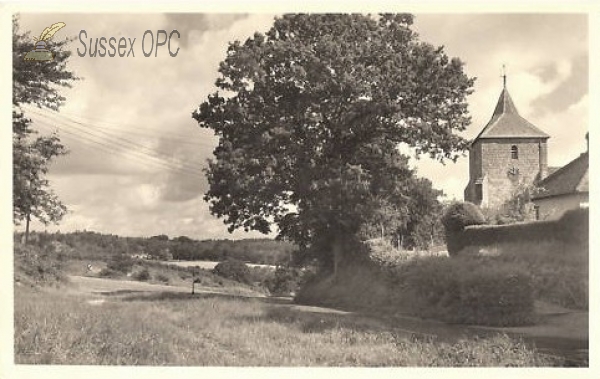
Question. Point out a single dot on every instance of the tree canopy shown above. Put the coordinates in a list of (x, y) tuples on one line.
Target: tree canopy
[(36, 83), (310, 118)]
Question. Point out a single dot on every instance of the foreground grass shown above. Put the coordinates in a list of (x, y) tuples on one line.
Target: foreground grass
[(54, 327)]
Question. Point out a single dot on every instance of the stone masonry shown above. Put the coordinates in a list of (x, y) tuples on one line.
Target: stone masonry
[(508, 152)]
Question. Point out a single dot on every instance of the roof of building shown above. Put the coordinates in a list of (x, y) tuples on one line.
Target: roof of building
[(552, 170), (569, 179), (507, 123)]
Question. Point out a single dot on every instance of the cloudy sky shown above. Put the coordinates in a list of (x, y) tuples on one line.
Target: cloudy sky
[(136, 155)]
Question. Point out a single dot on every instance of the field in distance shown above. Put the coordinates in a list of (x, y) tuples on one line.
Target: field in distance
[(208, 265)]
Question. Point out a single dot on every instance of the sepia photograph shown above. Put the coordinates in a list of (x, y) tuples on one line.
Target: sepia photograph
[(308, 189)]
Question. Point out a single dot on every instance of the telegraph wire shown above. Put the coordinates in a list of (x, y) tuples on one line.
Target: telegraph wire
[(127, 128), (84, 129), (111, 150), (125, 144)]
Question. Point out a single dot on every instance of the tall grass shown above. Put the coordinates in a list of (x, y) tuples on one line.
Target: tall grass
[(180, 329)]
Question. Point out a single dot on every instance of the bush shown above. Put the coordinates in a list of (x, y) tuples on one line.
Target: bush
[(233, 269), (469, 291), (559, 271), (122, 263), (143, 275), (460, 215), (285, 281), (574, 226), (458, 290), (163, 278), (260, 275), (109, 273), (455, 219), (38, 266)]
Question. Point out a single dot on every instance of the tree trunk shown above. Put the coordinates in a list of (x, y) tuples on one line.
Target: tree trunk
[(337, 247), (28, 219)]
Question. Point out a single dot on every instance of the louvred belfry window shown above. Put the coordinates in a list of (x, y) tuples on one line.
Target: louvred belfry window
[(514, 152)]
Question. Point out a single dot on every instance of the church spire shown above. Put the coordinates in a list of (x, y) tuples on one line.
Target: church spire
[(506, 121), (505, 103)]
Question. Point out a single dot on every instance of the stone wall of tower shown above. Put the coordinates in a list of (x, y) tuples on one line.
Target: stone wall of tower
[(497, 161), (543, 159), (474, 173)]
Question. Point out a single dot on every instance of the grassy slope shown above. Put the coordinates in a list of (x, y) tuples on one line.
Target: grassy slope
[(55, 327)]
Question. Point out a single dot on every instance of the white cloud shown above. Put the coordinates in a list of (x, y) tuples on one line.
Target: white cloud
[(567, 130), (133, 196)]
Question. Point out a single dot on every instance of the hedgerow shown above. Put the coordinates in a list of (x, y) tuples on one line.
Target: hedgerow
[(466, 290)]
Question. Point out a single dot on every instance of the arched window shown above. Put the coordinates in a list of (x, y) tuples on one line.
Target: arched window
[(514, 152)]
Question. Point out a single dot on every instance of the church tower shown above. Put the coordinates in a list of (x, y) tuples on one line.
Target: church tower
[(509, 151)]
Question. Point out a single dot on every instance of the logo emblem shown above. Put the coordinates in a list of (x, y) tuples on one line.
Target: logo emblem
[(41, 52)]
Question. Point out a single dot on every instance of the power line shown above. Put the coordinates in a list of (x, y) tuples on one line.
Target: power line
[(138, 129), (84, 129), (111, 150), (108, 149), (125, 143)]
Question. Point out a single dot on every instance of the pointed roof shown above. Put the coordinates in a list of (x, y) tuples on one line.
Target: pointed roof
[(572, 178), (507, 123)]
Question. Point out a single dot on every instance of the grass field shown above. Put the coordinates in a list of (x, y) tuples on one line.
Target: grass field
[(208, 265), (78, 325)]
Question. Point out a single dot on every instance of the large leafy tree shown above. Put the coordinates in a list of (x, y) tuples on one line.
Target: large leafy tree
[(423, 226), (36, 83), (310, 118)]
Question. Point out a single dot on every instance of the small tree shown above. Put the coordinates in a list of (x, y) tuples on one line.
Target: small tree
[(233, 269), (36, 83), (121, 263), (518, 208)]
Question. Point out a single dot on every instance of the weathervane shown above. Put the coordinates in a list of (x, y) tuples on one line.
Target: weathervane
[(504, 74)]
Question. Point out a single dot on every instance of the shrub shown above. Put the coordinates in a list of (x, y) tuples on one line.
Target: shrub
[(109, 273), (574, 226), (260, 275), (467, 290), (559, 271), (233, 269), (163, 278), (455, 219), (460, 215), (458, 290), (285, 281), (122, 263), (143, 275), (37, 265)]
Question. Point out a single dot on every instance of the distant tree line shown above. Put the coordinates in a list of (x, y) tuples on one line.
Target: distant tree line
[(93, 245)]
